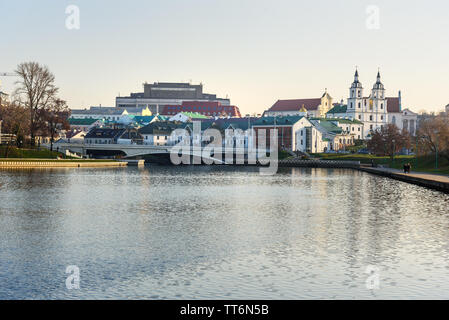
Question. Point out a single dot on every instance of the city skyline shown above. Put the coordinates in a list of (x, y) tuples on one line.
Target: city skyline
[(254, 53)]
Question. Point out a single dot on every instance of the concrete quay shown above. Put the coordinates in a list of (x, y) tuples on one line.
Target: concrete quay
[(432, 181), (36, 163)]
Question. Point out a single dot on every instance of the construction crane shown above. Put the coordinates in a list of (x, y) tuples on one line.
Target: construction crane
[(5, 74)]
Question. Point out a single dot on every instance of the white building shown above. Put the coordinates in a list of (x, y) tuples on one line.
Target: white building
[(109, 113), (371, 110), (375, 110), (316, 107)]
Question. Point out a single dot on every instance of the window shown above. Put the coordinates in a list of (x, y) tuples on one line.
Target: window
[(381, 105), (370, 118), (371, 127), (351, 104), (360, 117), (360, 105), (359, 129), (381, 117)]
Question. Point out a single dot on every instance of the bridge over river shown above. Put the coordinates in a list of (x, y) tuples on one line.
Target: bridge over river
[(147, 152)]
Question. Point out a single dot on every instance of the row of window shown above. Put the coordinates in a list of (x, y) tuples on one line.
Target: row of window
[(351, 105), (370, 117), (95, 141), (200, 108)]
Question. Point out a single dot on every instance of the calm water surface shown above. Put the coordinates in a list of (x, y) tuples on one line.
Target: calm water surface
[(217, 233)]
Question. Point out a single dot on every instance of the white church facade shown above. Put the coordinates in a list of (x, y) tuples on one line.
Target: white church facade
[(376, 110)]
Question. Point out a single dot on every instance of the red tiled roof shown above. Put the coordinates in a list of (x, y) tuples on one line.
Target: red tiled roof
[(201, 104), (295, 104), (393, 105), (207, 108)]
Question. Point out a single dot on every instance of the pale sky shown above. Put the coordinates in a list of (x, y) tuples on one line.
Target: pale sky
[(254, 51)]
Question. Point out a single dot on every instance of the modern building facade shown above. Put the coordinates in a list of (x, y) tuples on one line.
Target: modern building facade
[(206, 108), (157, 95), (109, 113)]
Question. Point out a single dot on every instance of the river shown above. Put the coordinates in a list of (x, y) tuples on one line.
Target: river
[(220, 233)]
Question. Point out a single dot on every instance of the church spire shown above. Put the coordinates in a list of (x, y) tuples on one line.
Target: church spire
[(378, 85), (356, 83), (356, 75)]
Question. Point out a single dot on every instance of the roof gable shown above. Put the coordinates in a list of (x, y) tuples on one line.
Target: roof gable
[(296, 104), (393, 105)]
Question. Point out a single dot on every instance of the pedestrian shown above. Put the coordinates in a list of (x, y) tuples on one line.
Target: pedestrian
[(405, 168), (409, 166)]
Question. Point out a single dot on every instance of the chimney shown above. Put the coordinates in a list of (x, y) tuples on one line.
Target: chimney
[(400, 101)]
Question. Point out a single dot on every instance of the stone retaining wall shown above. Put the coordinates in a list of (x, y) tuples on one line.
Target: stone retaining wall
[(61, 164), (318, 163)]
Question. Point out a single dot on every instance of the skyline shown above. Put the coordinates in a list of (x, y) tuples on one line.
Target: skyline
[(253, 52)]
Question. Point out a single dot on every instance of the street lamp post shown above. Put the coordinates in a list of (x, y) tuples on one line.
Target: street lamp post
[(394, 148), (416, 151), (436, 149)]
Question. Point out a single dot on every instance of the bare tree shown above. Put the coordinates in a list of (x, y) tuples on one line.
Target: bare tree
[(388, 140), (54, 118), (36, 89), (433, 134), (15, 118)]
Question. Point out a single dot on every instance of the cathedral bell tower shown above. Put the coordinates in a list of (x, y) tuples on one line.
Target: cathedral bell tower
[(378, 91), (355, 94)]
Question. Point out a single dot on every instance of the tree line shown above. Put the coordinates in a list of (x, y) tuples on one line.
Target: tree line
[(432, 136), (35, 108)]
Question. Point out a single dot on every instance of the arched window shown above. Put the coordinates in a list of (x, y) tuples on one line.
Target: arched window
[(393, 120)]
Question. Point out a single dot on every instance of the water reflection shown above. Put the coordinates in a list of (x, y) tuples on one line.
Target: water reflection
[(219, 232)]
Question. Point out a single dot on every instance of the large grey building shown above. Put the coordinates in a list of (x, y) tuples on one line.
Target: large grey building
[(159, 94)]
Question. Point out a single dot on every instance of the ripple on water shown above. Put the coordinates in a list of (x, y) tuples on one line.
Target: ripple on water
[(220, 233)]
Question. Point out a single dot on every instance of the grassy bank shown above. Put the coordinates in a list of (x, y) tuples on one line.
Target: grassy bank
[(421, 163), (22, 153)]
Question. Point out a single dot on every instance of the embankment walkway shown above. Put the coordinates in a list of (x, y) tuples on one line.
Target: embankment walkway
[(428, 180)]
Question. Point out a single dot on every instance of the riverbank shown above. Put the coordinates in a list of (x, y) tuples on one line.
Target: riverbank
[(432, 181), (52, 163), (421, 164), (424, 179), (12, 152)]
